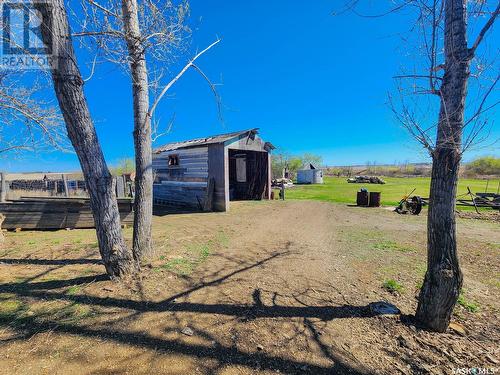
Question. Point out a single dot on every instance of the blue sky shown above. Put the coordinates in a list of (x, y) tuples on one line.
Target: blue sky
[(311, 81)]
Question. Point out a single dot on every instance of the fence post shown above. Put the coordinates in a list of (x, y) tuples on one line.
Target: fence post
[(3, 186), (65, 185)]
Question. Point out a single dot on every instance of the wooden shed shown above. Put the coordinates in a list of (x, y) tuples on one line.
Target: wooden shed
[(208, 173)]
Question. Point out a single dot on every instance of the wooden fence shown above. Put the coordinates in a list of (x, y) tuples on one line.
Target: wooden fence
[(54, 202), (15, 186)]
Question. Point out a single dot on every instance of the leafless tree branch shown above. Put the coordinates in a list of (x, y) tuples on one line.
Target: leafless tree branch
[(484, 30), (178, 76)]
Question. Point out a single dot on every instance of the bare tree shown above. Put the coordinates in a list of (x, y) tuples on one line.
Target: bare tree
[(142, 132), (443, 279), (68, 87), (442, 27), (29, 123), (140, 35)]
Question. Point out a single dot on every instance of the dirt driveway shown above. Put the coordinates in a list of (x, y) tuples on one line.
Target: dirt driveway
[(270, 287)]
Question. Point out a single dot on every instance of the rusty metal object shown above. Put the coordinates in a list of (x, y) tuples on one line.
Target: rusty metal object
[(411, 205), (375, 199), (362, 198), (415, 204)]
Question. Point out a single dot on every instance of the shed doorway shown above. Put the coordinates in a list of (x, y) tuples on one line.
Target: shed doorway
[(248, 175)]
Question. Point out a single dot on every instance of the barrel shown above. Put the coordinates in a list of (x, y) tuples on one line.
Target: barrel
[(362, 198), (375, 199)]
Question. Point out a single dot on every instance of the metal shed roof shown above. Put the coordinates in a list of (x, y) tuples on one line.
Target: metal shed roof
[(307, 167), (221, 138)]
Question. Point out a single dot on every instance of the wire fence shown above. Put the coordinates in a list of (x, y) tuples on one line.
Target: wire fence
[(45, 188), (12, 188), (50, 186)]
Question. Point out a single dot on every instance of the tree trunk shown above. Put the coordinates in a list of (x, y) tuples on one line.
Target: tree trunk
[(443, 279), (143, 203), (68, 86)]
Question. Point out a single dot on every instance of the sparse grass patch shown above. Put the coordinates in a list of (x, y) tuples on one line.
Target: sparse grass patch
[(357, 235), (72, 290), (87, 271), (392, 286), (64, 313), (200, 251), (421, 269), (194, 254), (470, 306), (181, 266), (222, 239), (392, 246), (493, 282), (10, 308)]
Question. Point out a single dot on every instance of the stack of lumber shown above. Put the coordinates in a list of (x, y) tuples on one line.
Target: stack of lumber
[(55, 213)]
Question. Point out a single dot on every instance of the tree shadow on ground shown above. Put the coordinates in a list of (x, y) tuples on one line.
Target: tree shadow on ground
[(49, 262), (26, 325)]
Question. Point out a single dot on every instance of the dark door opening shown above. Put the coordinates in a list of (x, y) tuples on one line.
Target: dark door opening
[(248, 175)]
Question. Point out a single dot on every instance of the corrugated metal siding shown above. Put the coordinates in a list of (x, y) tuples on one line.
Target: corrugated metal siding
[(309, 176)]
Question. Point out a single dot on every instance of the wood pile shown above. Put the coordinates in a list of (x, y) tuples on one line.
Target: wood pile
[(55, 213), (365, 180)]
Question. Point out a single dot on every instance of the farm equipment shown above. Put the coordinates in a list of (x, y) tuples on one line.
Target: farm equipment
[(411, 205), (487, 200), (414, 204)]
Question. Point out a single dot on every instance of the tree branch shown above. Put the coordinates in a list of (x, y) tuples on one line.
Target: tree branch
[(212, 87), (417, 76), (105, 10), (176, 78), (483, 101), (484, 30)]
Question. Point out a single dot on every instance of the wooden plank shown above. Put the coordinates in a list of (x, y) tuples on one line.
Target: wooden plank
[(164, 177), (209, 198), (184, 183), (182, 152), (55, 213), (196, 174), (219, 170), (3, 186), (191, 165), (65, 185), (120, 186), (247, 143)]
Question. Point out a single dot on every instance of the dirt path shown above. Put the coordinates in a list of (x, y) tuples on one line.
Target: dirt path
[(267, 288)]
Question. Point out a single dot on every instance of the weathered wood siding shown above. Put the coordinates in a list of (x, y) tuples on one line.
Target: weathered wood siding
[(244, 142), (187, 183), (182, 185), (55, 213), (219, 170)]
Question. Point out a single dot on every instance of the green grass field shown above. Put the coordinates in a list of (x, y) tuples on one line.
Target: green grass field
[(338, 190)]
